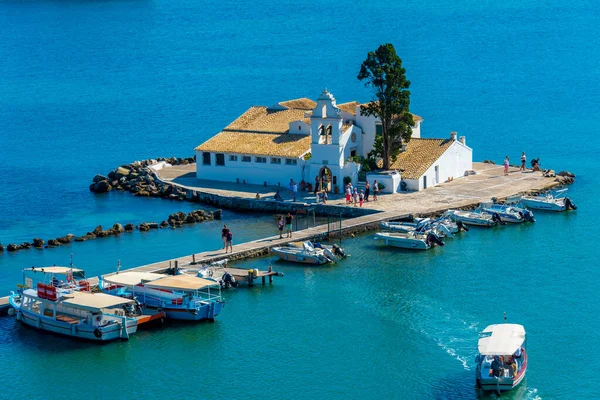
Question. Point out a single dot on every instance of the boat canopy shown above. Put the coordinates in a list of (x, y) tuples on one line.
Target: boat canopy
[(93, 302), (131, 278), (54, 270), (505, 339), (181, 282)]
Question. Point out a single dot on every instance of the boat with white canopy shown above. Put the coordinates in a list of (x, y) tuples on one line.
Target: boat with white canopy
[(181, 297), (410, 240), (508, 212), (549, 201), (84, 315), (502, 359), (473, 218)]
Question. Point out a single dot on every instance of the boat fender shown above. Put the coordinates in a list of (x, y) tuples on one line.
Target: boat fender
[(98, 333)]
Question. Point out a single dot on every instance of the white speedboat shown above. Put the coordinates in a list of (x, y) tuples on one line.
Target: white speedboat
[(84, 315), (473, 218), (442, 227), (309, 254), (410, 240), (549, 201), (405, 226), (502, 359), (182, 297), (508, 213)]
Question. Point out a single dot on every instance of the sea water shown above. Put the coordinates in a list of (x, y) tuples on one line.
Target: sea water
[(88, 85)]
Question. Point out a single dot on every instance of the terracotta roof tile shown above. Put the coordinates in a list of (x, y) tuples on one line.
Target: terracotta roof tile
[(299, 104), (349, 107), (420, 154)]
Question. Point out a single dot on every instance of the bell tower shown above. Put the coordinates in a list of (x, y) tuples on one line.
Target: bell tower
[(326, 121)]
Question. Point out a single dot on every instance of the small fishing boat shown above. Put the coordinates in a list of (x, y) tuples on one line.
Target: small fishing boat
[(473, 218), (549, 201), (410, 240), (83, 315), (181, 297), (443, 227), (507, 212), (309, 253), (405, 226), (502, 359)]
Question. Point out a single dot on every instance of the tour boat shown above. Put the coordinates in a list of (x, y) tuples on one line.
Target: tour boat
[(309, 253), (84, 315), (508, 213), (61, 277), (181, 297), (502, 359), (549, 201), (473, 218), (410, 240)]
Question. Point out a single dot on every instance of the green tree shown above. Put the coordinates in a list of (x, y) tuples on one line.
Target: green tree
[(382, 71)]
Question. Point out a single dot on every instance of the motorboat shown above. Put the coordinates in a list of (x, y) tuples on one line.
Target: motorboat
[(549, 201), (410, 240), (309, 253), (57, 276), (508, 213), (502, 359), (443, 227), (83, 315), (405, 226), (473, 218), (183, 297)]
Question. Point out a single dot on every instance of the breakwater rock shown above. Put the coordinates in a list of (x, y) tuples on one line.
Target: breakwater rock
[(136, 178), (174, 220)]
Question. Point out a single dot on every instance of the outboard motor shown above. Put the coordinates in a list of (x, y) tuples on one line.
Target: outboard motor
[(433, 238), (462, 227), (496, 218), (228, 280), (569, 205), (329, 255), (338, 251), (527, 216)]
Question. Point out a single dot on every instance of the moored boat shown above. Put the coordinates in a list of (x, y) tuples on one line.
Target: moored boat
[(409, 240), (473, 218), (502, 359), (549, 201), (508, 213), (181, 297), (83, 315), (309, 253)]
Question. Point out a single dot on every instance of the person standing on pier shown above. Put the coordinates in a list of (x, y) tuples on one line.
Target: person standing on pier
[(506, 164), (280, 226), (367, 191), (224, 233), (229, 242), (375, 190), (523, 161), (288, 225), (361, 197), (316, 184)]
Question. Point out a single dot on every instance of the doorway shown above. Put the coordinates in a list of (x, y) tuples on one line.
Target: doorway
[(325, 179)]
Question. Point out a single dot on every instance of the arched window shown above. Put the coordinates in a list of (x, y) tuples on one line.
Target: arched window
[(324, 112)]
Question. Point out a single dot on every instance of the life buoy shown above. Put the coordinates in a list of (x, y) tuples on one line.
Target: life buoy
[(98, 333)]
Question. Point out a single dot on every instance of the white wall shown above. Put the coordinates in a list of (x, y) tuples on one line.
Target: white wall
[(252, 172), (367, 124)]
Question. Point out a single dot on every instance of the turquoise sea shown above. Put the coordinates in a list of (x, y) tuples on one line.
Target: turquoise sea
[(87, 85)]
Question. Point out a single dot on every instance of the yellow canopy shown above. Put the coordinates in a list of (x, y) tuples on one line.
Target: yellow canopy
[(131, 278), (181, 282), (93, 302)]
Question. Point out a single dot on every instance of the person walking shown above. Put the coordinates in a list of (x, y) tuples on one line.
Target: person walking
[(224, 233), (348, 194), (523, 161), (324, 197), (355, 196), (361, 197), (506, 164), (288, 225), (295, 190), (375, 190), (280, 226), (316, 184), (367, 191)]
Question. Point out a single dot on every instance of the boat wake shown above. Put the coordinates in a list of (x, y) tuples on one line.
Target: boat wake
[(531, 393)]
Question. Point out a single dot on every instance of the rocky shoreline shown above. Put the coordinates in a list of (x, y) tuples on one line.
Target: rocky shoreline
[(139, 180), (174, 220)]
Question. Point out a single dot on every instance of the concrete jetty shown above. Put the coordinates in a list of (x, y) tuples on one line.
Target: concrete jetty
[(461, 193)]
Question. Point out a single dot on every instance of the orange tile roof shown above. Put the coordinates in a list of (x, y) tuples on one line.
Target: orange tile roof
[(299, 104), (349, 107), (420, 154)]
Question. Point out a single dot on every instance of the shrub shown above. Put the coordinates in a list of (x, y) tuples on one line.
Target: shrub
[(347, 180)]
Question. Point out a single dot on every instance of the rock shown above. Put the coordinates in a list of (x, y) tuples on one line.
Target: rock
[(217, 214), (105, 233), (121, 172), (97, 230), (99, 178), (164, 224), (83, 238), (564, 180), (152, 225), (489, 162), (144, 227), (128, 227), (38, 243), (53, 243), (65, 239), (1, 248), (143, 193), (190, 219), (118, 228), (178, 216), (173, 196), (101, 187), (12, 247), (112, 175), (549, 173), (566, 173), (25, 245)]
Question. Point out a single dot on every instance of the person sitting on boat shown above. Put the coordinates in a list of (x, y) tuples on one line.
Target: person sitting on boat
[(55, 282), (518, 353), (496, 367)]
